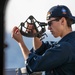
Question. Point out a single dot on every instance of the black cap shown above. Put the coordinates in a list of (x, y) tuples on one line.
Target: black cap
[(60, 11)]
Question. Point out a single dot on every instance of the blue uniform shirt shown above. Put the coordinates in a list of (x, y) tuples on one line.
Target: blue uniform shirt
[(54, 58)]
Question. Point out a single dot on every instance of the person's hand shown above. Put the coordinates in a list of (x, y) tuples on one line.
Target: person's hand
[(16, 35), (30, 28)]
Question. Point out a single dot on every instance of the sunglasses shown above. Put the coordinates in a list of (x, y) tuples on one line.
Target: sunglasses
[(50, 22)]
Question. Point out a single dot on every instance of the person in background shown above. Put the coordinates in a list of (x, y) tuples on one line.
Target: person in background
[(55, 58)]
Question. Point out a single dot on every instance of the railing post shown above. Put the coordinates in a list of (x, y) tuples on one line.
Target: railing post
[(18, 71), (21, 71)]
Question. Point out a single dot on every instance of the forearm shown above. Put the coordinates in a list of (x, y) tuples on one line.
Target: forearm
[(24, 50), (18, 37), (36, 43)]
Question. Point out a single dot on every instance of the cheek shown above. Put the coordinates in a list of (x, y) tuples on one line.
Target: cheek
[(57, 29), (58, 26)]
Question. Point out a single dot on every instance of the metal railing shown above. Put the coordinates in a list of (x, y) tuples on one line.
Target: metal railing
[(19, 71)]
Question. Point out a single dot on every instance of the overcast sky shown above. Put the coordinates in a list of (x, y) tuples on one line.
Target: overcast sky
[(18, 11)]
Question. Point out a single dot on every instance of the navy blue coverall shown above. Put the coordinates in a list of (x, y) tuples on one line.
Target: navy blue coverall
[(54, 58)]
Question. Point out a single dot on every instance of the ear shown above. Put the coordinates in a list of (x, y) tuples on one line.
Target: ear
[(63, 20)]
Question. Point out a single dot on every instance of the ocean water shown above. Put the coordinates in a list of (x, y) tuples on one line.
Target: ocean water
[(13, 57)]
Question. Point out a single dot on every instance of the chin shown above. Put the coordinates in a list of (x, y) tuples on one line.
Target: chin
[(55, 36)]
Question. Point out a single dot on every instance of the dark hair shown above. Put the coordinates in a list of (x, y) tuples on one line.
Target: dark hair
[(69, 21)]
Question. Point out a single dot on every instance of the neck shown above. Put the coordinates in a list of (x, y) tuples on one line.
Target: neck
[(66, 31)]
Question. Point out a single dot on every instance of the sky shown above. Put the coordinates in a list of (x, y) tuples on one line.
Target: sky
[(17, 11)]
